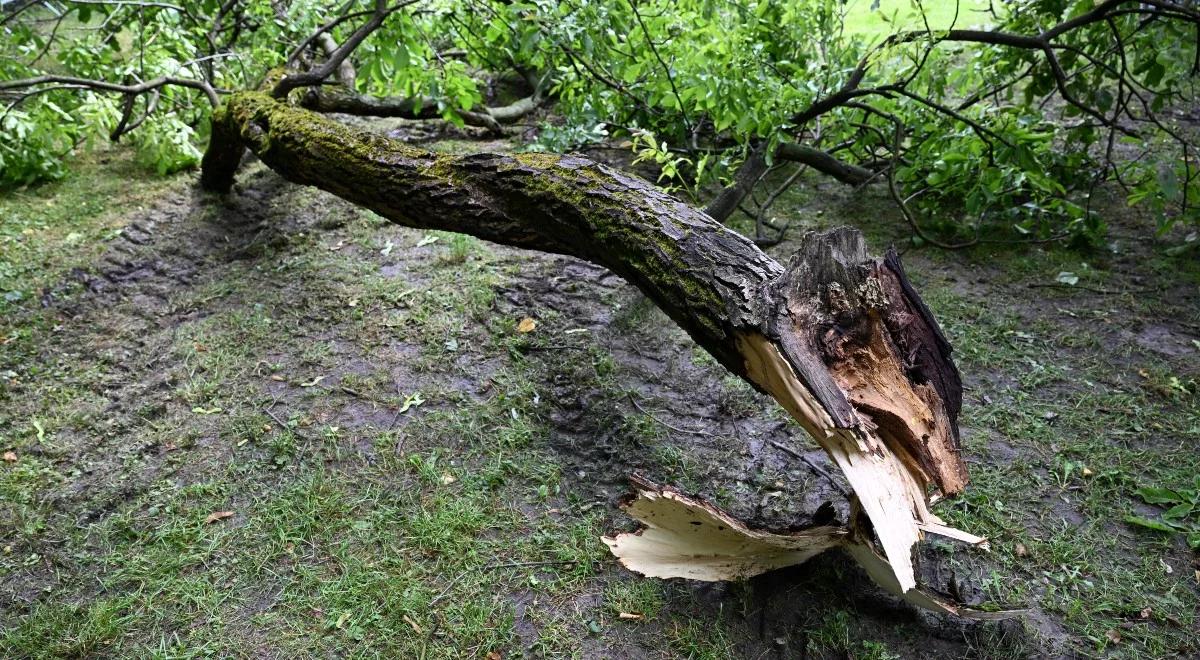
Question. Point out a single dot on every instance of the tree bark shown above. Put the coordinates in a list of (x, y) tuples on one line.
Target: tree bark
[(838, 338)]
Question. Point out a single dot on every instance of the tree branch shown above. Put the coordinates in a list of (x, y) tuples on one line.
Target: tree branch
[(318, 75), (106, 86)]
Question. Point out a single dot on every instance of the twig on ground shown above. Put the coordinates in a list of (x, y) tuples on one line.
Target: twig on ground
[(661, 422)]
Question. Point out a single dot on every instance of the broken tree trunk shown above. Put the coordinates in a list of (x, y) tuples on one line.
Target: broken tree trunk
[(838, 338)]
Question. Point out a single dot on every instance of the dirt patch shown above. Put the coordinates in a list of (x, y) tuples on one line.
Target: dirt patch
[(281, 327)]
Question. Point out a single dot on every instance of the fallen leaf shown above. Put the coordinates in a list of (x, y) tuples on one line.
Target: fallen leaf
[(313, 382), (448, 479), (631, 615), (1197, 577), (353, 302), (411, 401), (1145, 613), (1113, 635), (340, 245), (387, 248), (1022, 551), (278, 378), (526, 325), (10, 457), (427, 240), (494, 655), (1087, 472), (341, 620), (1068, 278), (206, 411), (217, 515)]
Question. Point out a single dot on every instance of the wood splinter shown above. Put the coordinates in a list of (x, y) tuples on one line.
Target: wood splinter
[(691, 538)]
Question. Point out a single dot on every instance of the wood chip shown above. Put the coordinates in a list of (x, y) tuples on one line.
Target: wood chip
[(631, 615), (415, 626)]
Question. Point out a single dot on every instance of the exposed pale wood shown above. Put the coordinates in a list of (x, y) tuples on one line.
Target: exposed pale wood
[(891, 497), (688, 537)]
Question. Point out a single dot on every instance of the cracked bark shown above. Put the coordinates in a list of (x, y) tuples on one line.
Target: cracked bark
[(838, 338)]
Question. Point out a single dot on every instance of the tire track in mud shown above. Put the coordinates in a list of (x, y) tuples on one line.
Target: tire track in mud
[(714, 435)]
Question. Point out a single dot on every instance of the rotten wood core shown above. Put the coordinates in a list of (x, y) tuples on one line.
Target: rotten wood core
[(840, 339)]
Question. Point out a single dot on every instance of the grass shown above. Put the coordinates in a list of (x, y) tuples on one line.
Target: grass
[(274, 386), (886, 16), (1090, 427), (47, 230)]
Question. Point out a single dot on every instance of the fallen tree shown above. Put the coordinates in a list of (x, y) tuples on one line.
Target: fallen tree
[(840, 339)]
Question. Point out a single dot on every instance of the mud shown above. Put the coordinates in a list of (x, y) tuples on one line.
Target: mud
[(711, 436)]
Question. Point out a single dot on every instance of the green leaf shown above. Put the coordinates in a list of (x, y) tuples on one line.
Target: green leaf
[(1159, 495), (1150, 524), (1168, 180), (1179, 511)]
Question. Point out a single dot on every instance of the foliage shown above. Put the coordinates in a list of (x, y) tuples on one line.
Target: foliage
[(709, 80), (975, 132), (1182, 515)]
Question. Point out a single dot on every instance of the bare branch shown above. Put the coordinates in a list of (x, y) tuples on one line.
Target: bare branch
[(106, 86), (318, 75)]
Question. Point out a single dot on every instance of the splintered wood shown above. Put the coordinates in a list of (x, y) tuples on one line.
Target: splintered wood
[(855, 357), (691, 538)]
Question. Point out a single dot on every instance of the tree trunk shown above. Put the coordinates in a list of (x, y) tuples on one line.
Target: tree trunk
[(838, 338)]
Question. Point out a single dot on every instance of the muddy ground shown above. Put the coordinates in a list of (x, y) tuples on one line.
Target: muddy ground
[(408, 474)]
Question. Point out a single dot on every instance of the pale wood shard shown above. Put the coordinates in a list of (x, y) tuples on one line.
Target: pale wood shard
[(690, 538), (941, 529), (892, 498)]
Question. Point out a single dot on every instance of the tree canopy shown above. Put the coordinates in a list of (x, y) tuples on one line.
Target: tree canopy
[(983, 119)]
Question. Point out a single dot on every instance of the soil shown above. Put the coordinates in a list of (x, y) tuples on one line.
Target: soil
[(713, 436)]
